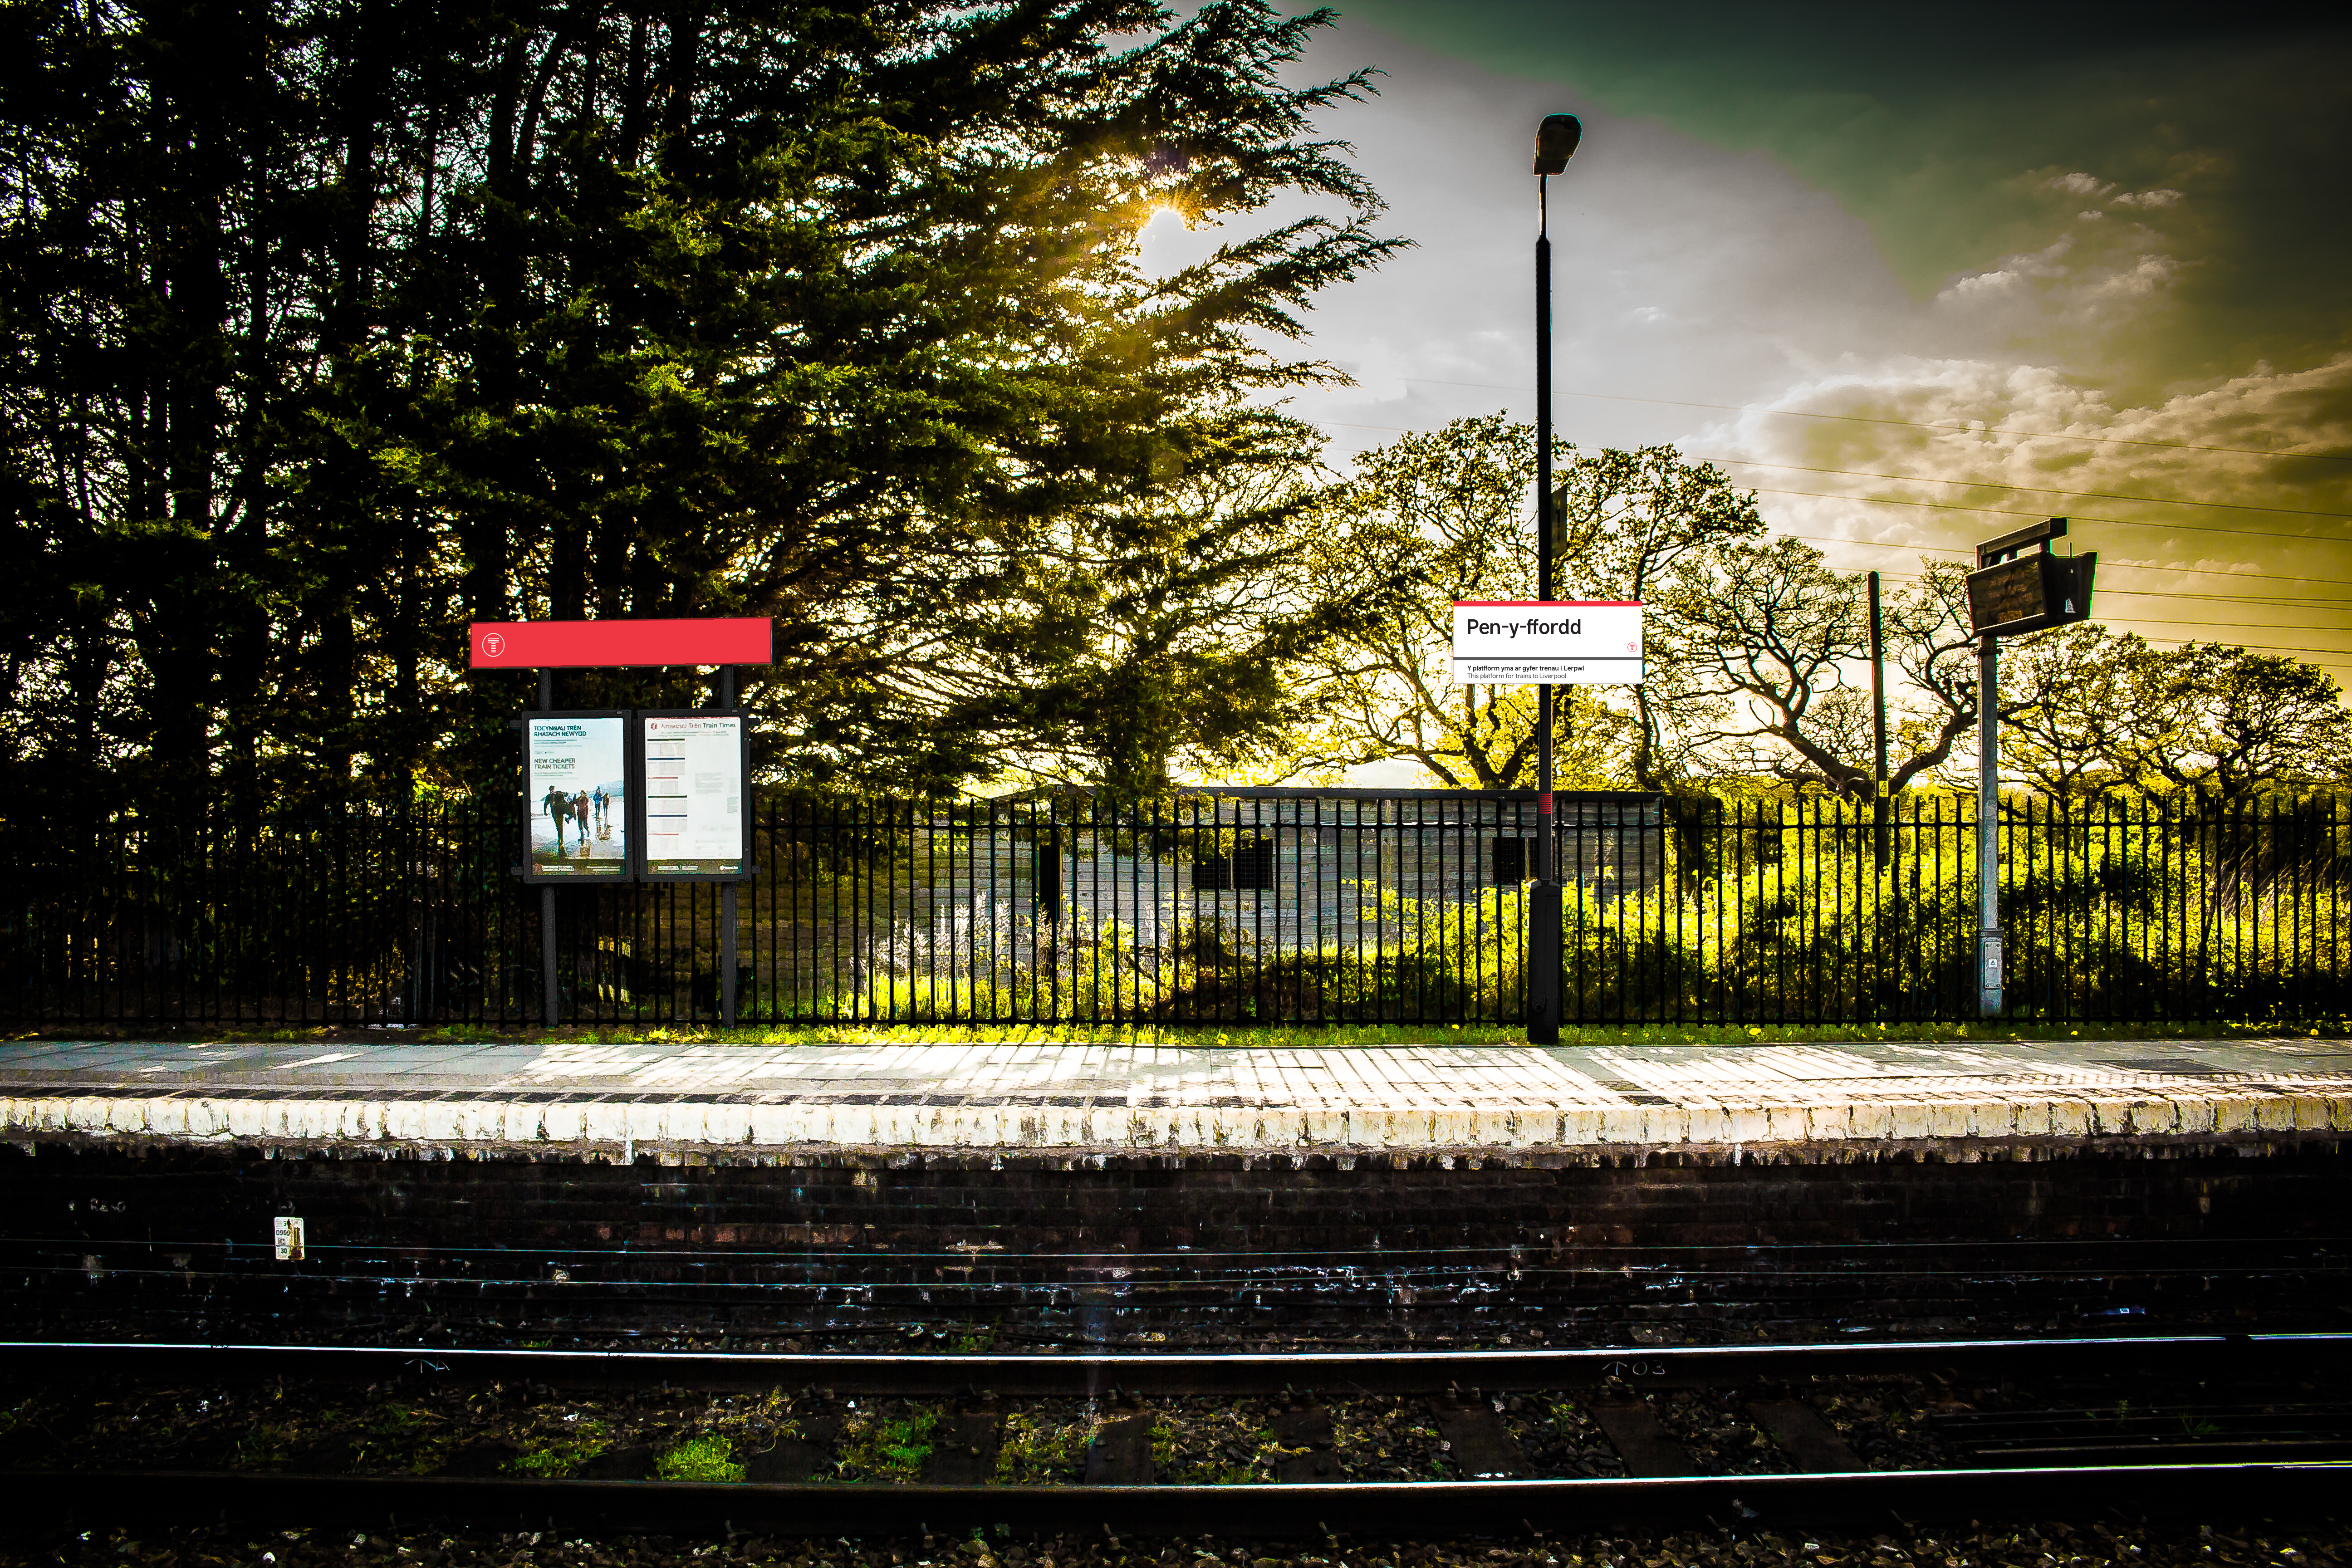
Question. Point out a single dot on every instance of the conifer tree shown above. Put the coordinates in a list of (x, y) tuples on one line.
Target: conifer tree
[(337, 324)]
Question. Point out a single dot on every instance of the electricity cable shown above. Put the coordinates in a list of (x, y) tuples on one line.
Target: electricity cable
[(2109, 567), (1873, 419), (2003, 512), (2039, 489), (2012, 511)]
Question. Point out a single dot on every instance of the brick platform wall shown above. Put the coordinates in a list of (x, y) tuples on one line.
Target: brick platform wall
[(825, 1250)]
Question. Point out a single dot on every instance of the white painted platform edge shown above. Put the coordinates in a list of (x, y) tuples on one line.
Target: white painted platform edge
[(492, 1123)]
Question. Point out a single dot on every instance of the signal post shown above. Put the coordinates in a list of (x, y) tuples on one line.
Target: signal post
[(2011, 593)]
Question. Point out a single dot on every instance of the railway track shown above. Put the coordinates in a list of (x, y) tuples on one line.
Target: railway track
[(2158, 1426)]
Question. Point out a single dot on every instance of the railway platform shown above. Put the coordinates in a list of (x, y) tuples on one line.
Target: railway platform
[(731, 1101), (1079, 1195)]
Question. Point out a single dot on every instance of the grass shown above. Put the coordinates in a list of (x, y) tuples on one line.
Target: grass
[(553, 1457), (1041, 1452), (893, 1447), (1310, 1036), (705, 1458)]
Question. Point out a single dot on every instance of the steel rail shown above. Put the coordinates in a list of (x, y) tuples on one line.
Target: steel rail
[(1421, 1509), (1043, 1375)]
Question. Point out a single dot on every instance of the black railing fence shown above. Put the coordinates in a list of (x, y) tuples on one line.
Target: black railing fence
[(1260, 906)]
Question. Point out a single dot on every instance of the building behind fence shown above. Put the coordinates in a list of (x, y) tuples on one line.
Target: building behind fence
[(1227, 905)]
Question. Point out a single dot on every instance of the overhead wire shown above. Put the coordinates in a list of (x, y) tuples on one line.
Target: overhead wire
[(2110, 566), (2003, 512), (2012, 511), (1876, 419), (2038, 489)]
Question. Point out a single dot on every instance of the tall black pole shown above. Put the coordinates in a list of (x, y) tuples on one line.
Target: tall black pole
[(1878, 810), (1543, 923)]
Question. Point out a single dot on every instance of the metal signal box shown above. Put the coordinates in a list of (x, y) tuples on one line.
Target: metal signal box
[(2009, 592)]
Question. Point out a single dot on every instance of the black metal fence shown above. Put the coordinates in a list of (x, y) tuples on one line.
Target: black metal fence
[(1265, 906)]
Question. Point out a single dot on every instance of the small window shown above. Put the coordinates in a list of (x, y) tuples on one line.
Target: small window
[(1509, 858), (1251, 865), (1047, 869)]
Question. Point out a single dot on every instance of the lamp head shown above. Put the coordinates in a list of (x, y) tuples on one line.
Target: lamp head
[(1555, 141)]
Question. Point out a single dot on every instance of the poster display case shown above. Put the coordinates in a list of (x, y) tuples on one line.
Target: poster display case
[(695, 822), (576, 797)]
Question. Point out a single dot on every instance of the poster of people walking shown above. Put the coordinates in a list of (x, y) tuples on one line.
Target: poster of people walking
[(575, 795)]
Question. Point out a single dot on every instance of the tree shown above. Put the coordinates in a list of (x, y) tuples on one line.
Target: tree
[(2218, 718), (1450, 507), (2085, 711), (2071, 699), (1762, 639), (1442, 515), (1110, 645), (1630, 524), (363, 321)]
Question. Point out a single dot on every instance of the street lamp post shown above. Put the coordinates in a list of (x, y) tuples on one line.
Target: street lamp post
[(1555, 141)]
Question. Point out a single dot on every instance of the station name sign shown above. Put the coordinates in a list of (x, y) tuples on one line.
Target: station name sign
[(574, 645), (1546, 642)]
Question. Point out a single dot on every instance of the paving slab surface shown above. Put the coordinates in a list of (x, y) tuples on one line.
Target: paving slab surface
[(620, 1099)]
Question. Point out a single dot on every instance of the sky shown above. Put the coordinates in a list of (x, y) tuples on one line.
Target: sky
[(1918, 276)]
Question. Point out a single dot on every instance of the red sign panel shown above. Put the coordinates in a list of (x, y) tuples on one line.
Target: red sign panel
[(531, 645)]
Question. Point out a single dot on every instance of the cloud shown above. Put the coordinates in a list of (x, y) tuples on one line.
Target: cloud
[(2012, 273), (2081, 185), (2086, 298), (2207, 506)]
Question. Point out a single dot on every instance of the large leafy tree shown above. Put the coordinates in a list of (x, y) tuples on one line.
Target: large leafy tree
[(2070, 709), (2085, 711), (1443, 512), (1171, 629), (1451, 510), (1767, 642), (2232, 721), (340, 323), (1633, 525)]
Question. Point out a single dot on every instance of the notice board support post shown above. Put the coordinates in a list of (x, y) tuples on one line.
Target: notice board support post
[(550, 1001), (726, 896)]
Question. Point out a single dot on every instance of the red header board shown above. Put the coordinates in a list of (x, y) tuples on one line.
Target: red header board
[(531, 644)]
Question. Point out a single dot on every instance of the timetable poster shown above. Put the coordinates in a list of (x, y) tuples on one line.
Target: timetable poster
[(695, 799), (575, 795)]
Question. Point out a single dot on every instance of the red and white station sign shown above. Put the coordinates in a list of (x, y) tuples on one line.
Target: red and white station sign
[(1546, 642), (535, 645)]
